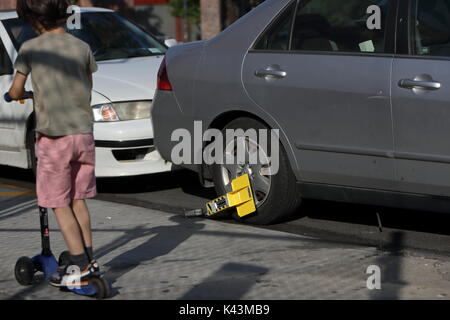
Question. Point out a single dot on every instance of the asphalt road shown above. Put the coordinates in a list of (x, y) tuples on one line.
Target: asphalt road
[(402, 231)]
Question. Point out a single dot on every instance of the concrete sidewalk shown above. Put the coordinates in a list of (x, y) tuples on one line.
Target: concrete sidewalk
[(155, 255)]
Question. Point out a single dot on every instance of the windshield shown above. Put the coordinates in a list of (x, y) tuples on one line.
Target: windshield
[(109, 35)]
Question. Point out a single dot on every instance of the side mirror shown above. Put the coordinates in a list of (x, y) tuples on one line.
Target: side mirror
[(170, 42)]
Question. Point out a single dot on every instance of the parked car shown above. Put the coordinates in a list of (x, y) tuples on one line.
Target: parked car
[(363, 113), (122, 97)]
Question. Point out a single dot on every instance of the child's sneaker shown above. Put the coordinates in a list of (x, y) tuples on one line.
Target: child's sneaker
[(73, 277), (94, 266)]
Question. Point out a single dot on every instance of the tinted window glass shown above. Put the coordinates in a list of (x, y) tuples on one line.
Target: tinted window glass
[(5, 62), (19, 32), (431, 28), (278, 35), (109, 35), (338, 25)]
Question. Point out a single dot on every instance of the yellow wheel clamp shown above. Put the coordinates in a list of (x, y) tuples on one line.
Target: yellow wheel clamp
[(240, 198)]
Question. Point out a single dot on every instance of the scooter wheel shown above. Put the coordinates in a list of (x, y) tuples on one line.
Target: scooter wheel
[(64, 259), (24, 271), (101, 287)]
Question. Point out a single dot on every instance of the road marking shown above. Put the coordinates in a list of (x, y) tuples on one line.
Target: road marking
[(23, 207), (17, 191)]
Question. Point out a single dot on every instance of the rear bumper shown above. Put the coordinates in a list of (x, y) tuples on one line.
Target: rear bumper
[(168, 117)]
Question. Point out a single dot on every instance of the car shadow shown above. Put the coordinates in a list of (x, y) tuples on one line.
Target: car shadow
[(185, 180), (17, 174), (392, 218)]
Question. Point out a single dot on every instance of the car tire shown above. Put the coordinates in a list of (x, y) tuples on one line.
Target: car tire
[(282, 198)]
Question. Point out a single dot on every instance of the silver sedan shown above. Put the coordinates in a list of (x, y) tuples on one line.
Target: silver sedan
[(358, 89)]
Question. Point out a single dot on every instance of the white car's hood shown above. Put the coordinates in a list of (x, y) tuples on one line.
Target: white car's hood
[(127, 79)]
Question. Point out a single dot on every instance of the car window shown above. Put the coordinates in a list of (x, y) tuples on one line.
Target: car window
[(113, 37), (277, 37), (6, 66), (19, 31), (339, 26), (431, 28), (109, 35)]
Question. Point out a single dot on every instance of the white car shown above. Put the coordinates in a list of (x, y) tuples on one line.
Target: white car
[(122, 97)]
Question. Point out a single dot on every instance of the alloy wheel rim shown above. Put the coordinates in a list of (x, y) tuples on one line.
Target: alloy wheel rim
[(259, 172)]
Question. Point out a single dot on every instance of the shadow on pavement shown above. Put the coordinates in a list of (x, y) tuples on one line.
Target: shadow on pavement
[(393, 218), (165, 239), (391, 270), (231, 282), (185, 180), (24, 293)]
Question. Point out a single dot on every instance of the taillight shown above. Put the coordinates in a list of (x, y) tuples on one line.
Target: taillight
[(163, 78)]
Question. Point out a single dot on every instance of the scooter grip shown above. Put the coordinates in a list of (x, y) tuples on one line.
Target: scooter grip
[(7, 97)]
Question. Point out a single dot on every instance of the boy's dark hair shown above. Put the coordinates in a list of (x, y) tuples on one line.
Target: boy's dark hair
[(49, 14)]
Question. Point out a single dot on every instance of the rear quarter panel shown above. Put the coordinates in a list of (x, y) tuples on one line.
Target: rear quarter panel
[(207, 81), (219, 87)]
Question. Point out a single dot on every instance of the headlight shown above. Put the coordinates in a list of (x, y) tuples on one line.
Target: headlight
[(133, 110), (123, 111), (105, 112)]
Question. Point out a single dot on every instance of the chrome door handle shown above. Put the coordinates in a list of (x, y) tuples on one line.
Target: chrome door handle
[(414, 84), (271, 72), (420, 83)]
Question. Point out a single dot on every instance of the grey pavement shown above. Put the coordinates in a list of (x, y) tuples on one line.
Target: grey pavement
[(150, 254)]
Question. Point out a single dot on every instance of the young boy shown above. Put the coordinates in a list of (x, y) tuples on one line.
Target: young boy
[(61, 68)]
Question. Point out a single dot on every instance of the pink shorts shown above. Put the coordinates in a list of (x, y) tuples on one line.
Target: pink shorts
[(65, 170)]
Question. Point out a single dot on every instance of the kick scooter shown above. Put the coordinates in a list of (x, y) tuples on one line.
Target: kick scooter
[(26, 268)]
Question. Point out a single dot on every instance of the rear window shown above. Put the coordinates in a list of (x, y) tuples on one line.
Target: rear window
[(109, 35), (327, 25)]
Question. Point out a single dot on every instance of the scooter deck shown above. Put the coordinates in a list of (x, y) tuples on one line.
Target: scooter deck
[(88, 288)]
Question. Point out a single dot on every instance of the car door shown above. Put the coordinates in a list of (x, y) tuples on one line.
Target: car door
[(421, 99), (7, 113), (13, 116), (324, 76)]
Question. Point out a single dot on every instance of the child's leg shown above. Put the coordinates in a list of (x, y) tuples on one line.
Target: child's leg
[(73, 237), (83, 218), (84, 186), (70, 230)]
